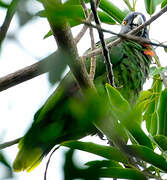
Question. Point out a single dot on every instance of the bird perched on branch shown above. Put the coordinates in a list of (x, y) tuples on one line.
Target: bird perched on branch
[(54, 121)]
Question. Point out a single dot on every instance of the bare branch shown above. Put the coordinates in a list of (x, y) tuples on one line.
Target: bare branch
[(9, 143), (27, 73), (67, 46), (110, 73), (128, 36), (93, 46), (84, 28)]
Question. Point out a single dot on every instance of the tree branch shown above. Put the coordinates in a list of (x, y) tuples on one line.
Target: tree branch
[(93, 46), (9, 143), (27, 73), (105, 51), (66, 45), (128, 36), (9, 15)]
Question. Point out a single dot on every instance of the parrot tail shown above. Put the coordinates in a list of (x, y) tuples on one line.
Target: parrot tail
[(27, 159)]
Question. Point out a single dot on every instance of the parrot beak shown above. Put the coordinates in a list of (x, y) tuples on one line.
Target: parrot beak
[(138, 20)]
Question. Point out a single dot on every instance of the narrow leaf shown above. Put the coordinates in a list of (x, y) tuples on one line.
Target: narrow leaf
[(161, 141), (151, 5), (103, 163), (104, 151), (127, 116), (164, 3), (157, 70), (3, 4), (107, 6), (117, 101), (122, 173), (162, 112), (148, 156)]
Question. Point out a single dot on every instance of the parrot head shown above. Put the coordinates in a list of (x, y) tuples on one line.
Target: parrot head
[(133, 20)]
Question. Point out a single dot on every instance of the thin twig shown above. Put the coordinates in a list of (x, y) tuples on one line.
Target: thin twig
[(81, 33), (128, 36), (110, 73), (47, 164), (9, 143), (93, 59), (9, 15), (84, 28)]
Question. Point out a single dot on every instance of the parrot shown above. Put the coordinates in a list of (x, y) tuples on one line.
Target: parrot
[(54, 123)]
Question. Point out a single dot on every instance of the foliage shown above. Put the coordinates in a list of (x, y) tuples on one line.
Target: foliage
[(132, 152)]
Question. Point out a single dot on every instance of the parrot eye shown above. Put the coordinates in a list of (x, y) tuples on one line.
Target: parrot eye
[(124, 23)]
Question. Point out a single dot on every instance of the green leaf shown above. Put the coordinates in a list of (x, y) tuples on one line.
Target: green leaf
[(143, 100), (74, 14), (3, 4), (127, 116), (157, 70), (148, 156), (8, 169), (122, 173), (154, 123), (151, 5), (96, 171), (138, 133), (161, 141), (103, 151), (103, 163), (165, 49), (107, 6), (164, 3), (117, 101), (48, 34), (162, 112), (150, 115)]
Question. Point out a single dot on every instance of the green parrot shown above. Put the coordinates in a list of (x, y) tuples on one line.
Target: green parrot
[(54, 123)]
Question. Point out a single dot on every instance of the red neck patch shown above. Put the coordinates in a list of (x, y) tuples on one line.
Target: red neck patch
[(148, 50)]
